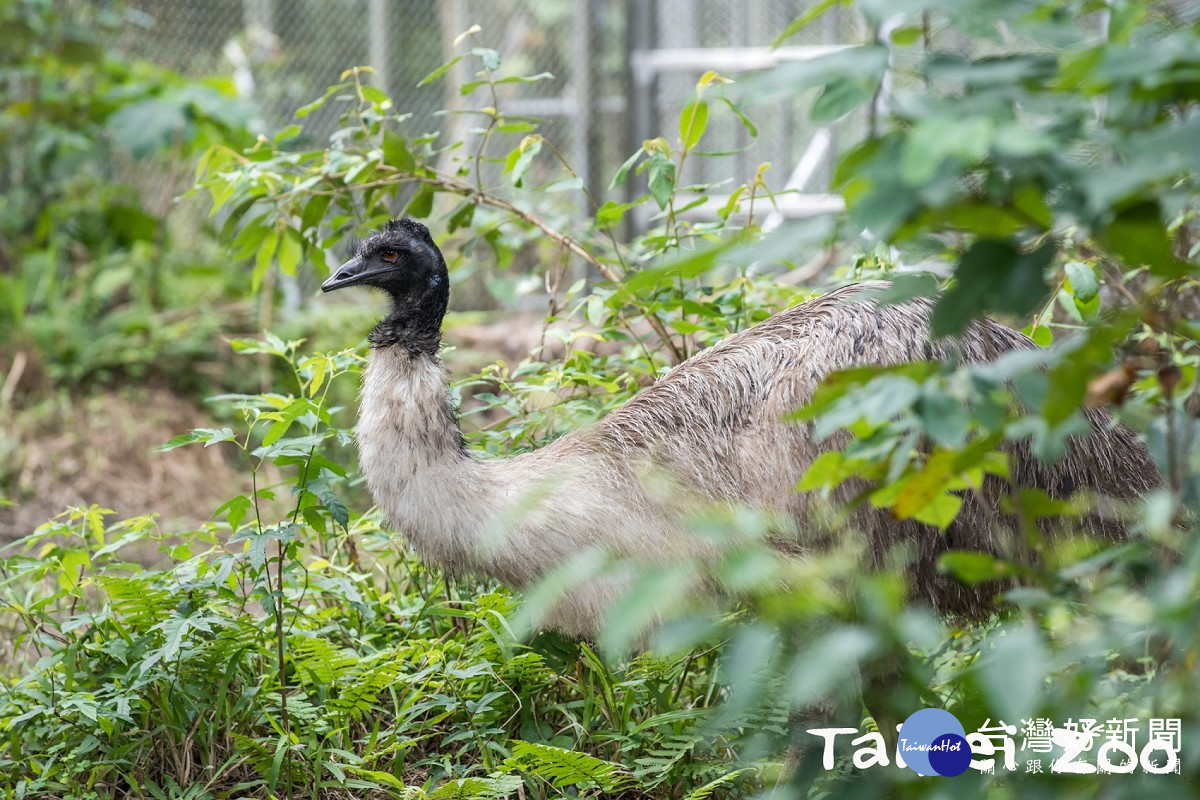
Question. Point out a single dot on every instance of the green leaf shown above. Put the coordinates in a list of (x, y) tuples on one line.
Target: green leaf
[(373, 94), (235, 510), (839, 98), (972, 567), (937, 139), (541, 76), (304, 111), (276, 431), (396, 153), (907, 36), (521, 157), (1042, 336), (733, 203), (291, 251), (421, 204), (709, 789), (940, 512), (825, 470), (623, 171), (865, 64), (1082, 279), (945, 418), (745, 120), (439, 72), (209, 436), (801, 22), (924, 493), (147, 127), (379, 776), (661, 181), (462, 216), (905, 287), (993, 276), (262, 259), (287, 132), (1137, 235), (492, 788), (1013, 670), (693, 121), (489, 57), (314, 213), (987, 220), (611, 213), (335, 506), (562, 768)]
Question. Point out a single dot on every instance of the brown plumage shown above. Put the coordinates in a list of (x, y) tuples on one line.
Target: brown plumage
[(715, 422)]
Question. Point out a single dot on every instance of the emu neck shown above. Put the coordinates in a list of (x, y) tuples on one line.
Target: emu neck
[(412, 453), (415, 324)]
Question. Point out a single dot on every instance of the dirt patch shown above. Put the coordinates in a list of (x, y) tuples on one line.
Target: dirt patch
[(61, 451)]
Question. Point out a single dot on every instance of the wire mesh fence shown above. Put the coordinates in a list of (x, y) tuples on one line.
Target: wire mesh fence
[(281, 55)]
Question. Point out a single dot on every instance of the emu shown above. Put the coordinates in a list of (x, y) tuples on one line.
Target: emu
[(716, 422)]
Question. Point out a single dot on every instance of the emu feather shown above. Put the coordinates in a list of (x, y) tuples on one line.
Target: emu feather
[(716, 422)]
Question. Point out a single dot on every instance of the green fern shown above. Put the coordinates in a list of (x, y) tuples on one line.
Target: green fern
[(140, 604), (707, 790), (362, 685), (562, 768), (494, 788), (319, 661)]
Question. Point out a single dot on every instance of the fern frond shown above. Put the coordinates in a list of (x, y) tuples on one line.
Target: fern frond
[(563, 768), (706, 791)]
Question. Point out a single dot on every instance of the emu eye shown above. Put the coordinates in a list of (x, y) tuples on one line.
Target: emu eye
[(390, 256)]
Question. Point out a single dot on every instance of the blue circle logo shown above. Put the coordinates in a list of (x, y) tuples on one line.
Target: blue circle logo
[(933, 742)]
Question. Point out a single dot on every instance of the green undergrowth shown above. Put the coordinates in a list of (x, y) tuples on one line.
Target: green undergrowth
[(149, 681), (306, 655)]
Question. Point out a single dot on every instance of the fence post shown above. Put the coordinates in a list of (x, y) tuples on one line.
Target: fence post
[(378, 44)]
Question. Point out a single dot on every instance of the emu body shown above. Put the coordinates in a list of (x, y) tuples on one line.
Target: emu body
[(716, 422)]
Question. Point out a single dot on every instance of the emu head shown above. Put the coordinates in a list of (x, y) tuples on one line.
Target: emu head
[(402, 261)]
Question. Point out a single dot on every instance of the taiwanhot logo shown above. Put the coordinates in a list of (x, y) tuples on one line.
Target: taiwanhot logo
[(934, 742)]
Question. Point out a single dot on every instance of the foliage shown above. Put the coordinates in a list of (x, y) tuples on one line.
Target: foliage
[(298, 655), (1036, 159), (89, 274)]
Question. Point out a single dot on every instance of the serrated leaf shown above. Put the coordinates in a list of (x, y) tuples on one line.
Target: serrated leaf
[(563, 768), (235, 510), (333, 504)]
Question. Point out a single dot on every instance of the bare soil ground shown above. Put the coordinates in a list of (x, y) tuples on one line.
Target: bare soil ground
[(60, 451)]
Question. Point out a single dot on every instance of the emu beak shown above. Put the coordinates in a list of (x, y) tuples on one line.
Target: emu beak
[(347, 274)]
